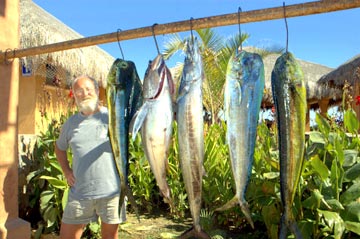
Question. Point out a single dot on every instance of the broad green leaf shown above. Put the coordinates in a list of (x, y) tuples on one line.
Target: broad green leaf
[(312, 202), (323, 124), (337, 174), (271, 215), (317, 137), (50, 215), (334, 221), (350, 157), (306, 228), (61, 184), (31, 175), (353, 172), (65, 197), (56, 165), (351, 121), (45, 197), (351, 212), (320, 167), (351, 194), (353, 226), (334, 204)]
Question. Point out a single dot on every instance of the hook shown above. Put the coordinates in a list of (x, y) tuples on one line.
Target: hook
[(117, 35), (191, 30), (239, 10), (287, 30), (6, 60), (152, 28)]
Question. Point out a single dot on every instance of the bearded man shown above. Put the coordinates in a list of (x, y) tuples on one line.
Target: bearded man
[(93, 178)]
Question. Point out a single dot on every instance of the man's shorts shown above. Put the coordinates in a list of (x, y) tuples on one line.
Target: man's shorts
[(86, 211)]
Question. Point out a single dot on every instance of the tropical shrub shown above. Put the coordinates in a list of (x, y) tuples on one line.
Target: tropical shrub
[(327, 203)]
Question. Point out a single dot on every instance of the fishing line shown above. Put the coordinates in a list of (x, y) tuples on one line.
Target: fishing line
[(287, 30), (117, 35), (152, 29), (239, 10)]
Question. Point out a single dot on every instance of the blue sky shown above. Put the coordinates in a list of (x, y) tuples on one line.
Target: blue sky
[(329, 39)]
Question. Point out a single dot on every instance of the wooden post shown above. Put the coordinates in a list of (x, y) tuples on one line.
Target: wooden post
[(307, 124), (324, 105), (356, 92), (11, 226)]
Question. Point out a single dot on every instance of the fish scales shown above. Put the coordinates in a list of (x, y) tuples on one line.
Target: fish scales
[(289, 94), (244, 88), (190, 134), (124, 97)]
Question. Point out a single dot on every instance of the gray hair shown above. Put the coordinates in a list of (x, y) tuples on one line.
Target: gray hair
[(96, 84)]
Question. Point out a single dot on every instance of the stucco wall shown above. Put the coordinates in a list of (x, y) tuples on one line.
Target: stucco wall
[(11, 226)]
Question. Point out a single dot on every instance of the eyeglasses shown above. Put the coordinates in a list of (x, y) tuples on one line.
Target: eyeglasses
[(82, 91)]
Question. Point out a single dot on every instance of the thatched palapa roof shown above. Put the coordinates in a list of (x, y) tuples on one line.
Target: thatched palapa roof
[(345, 72), (312, 73), (38, 27)]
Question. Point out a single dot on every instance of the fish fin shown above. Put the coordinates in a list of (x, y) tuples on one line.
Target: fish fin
[(243, 206), (230, 204), (245, 209), (138, 119), (193, 233)]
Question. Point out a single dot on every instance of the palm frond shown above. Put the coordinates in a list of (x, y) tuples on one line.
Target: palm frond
[(173, 45)]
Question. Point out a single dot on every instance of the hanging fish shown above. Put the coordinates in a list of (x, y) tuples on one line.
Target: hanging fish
[(190, 134), (244, 87), (124, 97), (155, 119), (289, 94)]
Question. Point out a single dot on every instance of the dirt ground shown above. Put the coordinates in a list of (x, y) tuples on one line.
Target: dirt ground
[(161, 226)]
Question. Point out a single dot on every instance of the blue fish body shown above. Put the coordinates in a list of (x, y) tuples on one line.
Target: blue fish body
[(244, 89)]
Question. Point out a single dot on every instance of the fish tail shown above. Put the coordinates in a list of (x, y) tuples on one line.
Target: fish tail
[(245, 209), (131, 198), (244, 206), (230, 204), (193, 233), (283, 229), (289, 224)]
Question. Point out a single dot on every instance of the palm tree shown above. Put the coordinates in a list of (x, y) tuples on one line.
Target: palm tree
[(215, 53)]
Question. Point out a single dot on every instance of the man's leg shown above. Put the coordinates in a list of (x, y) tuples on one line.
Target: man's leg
[(71, 231), (109, 231)]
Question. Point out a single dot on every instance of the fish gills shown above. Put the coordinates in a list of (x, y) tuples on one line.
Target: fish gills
[(190, 134), (289, 94), (244, 89)]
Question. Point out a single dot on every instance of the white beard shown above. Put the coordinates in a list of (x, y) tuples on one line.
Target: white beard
[(88, 106)]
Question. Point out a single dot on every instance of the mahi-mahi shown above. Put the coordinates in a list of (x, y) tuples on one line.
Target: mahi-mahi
[(244, 87), (289, 94)]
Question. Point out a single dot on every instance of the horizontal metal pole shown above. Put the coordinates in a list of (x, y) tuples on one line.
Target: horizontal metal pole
[(295, 10)]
